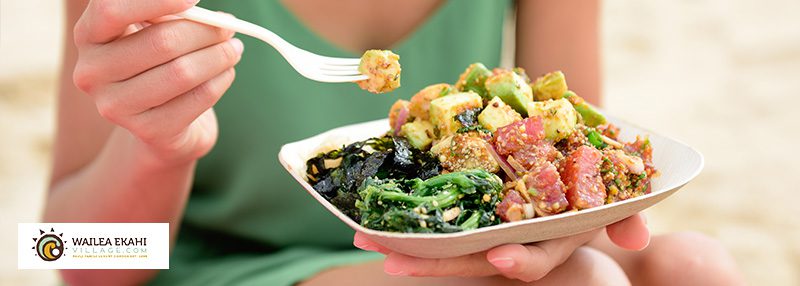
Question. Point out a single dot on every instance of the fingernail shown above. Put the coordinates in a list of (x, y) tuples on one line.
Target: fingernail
[(237, 44), (192, 1), (364, 246), (395, 272), (502, 262), (369, 248), (644, 218)]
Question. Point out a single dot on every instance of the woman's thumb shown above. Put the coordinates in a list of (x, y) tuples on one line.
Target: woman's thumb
[(631, 233)]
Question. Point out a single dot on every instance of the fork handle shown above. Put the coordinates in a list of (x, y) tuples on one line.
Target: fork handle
[(212, 18)]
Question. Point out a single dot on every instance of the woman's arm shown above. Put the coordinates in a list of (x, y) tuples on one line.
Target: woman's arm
[(117, 157), (561, 35)]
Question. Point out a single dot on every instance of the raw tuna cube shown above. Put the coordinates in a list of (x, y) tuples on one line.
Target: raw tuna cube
[(546, 190), (517, 135), (581, 174), (511, 208)]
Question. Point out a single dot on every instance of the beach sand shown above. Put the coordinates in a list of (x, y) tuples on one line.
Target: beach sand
[(721, 76)]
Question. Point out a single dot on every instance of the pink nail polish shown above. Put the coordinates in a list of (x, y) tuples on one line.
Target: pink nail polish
[(502, 262)]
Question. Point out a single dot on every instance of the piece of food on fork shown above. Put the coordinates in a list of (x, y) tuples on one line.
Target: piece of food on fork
[(383, 69)]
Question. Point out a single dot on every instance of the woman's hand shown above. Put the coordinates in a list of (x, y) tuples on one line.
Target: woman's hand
[(528, 262), (155, 75)]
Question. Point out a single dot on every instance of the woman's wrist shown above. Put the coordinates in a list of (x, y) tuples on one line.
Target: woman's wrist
[(126, 181)]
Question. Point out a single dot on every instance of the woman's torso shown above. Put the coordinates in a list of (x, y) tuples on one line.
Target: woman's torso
[(240, 188)]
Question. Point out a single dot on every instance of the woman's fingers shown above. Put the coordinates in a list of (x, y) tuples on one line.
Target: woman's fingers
[(524, 262), (518, 261), (403, 265), (104, 20), (630, 233), (473, 265), (533, 261), (161, 84), (362, 241), (148, 48), (174, 116), (155, 74)]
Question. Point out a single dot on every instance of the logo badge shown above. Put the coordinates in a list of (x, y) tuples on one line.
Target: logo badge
[(49, 246), (93, 246)]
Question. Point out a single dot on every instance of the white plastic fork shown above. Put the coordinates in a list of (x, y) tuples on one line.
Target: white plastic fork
[(308, 64)]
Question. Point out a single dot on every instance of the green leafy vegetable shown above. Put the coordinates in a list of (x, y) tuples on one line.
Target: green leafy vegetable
[(446, 203)]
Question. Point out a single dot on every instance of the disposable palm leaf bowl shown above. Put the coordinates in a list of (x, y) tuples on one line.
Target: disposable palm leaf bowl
[(677, 163)]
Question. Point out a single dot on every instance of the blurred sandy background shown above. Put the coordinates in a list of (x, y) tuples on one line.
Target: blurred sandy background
[(722, 76)]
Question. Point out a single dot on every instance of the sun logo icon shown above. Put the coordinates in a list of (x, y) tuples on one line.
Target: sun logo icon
[(49, 246)]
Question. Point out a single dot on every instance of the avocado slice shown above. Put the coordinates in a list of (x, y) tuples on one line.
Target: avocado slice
[(473, 79), (512, 89)]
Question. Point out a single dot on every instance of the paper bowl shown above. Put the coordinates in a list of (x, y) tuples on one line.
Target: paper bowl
[(677, 163)]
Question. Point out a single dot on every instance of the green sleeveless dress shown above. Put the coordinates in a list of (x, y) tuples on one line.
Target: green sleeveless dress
[(247, 221)]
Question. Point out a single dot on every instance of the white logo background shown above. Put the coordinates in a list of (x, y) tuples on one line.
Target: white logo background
[(153, 255)]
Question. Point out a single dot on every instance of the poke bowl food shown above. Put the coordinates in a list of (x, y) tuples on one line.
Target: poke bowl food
[(382, 68), (493, 148)]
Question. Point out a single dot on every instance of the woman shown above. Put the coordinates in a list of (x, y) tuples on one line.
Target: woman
[(136, 117)]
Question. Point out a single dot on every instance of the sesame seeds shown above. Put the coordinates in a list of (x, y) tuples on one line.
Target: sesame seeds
[(467, 151)]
